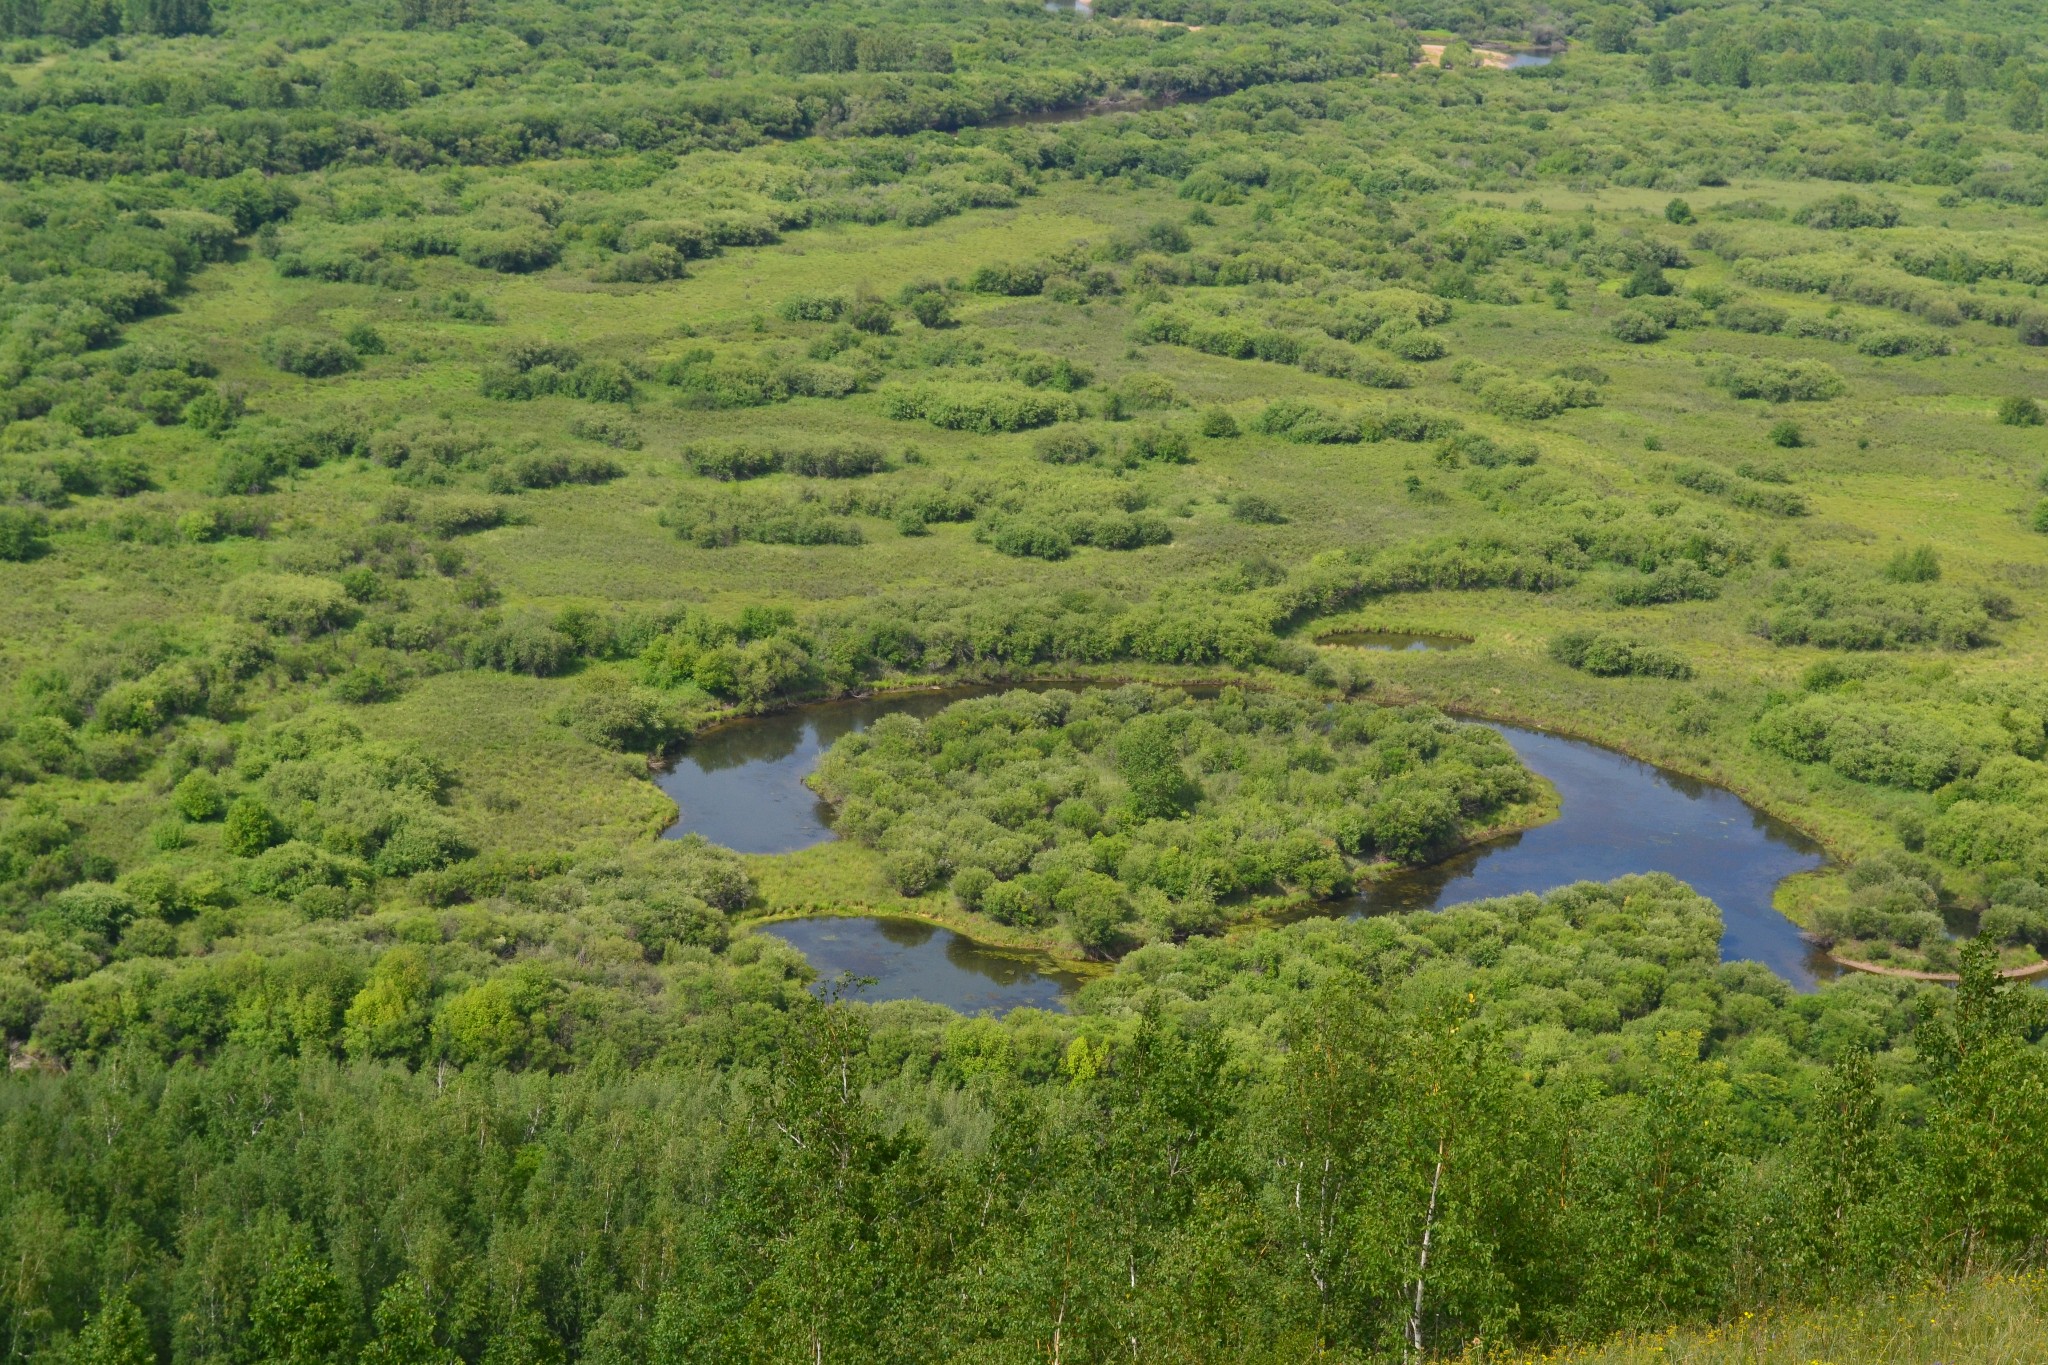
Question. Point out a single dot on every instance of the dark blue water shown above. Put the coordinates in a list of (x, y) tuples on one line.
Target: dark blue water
[(742, 786), (1619, 816)]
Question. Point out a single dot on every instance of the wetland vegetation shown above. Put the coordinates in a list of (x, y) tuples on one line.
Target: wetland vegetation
[(420, 421)]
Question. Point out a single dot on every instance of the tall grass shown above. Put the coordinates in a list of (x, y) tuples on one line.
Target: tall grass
[(1988, 1320)]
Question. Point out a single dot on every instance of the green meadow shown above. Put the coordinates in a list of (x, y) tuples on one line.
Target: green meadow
[(419, 422)]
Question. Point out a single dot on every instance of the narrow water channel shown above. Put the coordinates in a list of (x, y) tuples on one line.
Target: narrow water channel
[(742, 786)]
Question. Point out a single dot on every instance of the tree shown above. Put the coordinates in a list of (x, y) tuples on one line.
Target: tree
[(1659, 69), (1679, 212), (82, 21), (1613, 29), (297, 1316), (1989, 1137), (388, 1017), (2023, 107), (1953, 106), (1148, 760), (405, 1328), (116, 1335), (169, 18)]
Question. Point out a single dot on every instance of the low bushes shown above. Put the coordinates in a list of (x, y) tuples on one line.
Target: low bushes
[(726, 519), (1835, 611), (1848, 210), (536, 370), (1914, 746), (1779, 381), (734, 460), (1606, 655), (1741, 491), (983, 408), (309, 354)]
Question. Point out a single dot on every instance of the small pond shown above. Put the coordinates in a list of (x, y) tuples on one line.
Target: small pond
[(911, 960), (742, 786), (1517, 60), (1394, 641)]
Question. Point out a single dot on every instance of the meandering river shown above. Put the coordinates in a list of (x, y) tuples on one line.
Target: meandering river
[(742, 786)]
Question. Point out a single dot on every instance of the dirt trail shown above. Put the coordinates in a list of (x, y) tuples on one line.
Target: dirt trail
[(2026, 973)]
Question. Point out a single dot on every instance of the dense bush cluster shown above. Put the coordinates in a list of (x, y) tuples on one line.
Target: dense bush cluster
[(984, 408), (714, 520), (1606, 655), (1843, 611), (740, 460), (1149, 813)]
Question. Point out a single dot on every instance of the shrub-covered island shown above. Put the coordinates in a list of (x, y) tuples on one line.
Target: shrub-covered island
[(1146, 813)]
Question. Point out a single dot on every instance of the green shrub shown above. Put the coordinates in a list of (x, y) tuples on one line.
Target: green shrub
[(1614, 656), (1835, 612), (1016, 279), (1680, 581), (531, 471), (1909, 747), (1747, 315), (1916, 565), (309, 355), (1168, 445), (1028, 538), (93, 908), (1256, 509), (607, 431), (649, 265), (1786, 434), (1218, 424), (512, 251), (1635, 325), (1303, 422), (1192, 804), (249, 828), (198, 796), (1646, 280), (726, 519), (24, 534), (288, 604), (2020, 411), (1903, 341), (1848, 210), (1066, 446), (1804, 381), (983, 408)]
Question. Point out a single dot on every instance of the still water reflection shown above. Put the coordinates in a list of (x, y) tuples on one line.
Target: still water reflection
[(1620, 815), (911, 960), (742, 786)]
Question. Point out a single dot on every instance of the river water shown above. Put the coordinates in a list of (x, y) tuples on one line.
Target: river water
[(742, 786)]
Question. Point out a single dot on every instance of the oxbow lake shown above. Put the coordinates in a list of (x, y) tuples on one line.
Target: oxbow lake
[(742, 786)]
